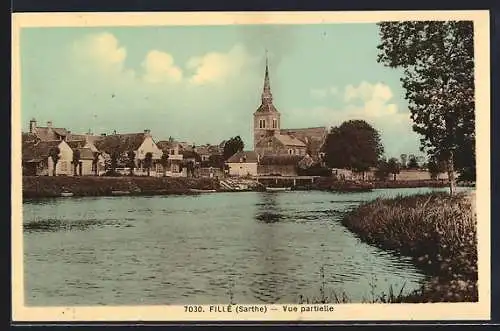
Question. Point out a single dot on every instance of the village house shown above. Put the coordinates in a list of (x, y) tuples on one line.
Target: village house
[(37, 159), (47, 133), (206, 151), (243, 164), (91, 162), (175, 158), (139, 143)]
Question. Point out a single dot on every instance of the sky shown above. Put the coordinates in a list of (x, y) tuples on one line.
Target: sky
[(202, 84)]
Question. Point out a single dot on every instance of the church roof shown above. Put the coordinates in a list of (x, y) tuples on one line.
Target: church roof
[(307, 134), (243, 157), (288, 140), (267, 97), (266, 108)]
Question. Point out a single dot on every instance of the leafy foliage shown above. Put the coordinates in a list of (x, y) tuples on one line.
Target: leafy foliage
[(437, 58), (355, 145), (413, 163), (164, 161), (216, 161), (131, 161), (54, 154), (233, 146), (435, 167), (76, 161), (148, 161), (393, 167), (382, 171)]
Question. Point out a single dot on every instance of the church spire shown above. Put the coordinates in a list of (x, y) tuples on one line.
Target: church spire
[(267, 97)]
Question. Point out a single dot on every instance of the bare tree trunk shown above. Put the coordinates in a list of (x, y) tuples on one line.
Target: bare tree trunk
[(451, 173)]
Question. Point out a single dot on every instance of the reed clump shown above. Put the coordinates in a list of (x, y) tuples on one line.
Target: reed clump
[(437, 230)]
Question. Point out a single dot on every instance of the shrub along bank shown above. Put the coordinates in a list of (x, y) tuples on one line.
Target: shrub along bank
[(437, 230), (49, 186)]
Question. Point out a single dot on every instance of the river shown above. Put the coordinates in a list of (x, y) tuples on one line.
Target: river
[(251, 247)]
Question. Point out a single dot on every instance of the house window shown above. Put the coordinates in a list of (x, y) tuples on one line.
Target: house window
[(262, 124), (275, 123), (290, 151)]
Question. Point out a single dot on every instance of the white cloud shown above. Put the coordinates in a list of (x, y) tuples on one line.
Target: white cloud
[(369, 102), (101, 50), (159, 67), (366, 91), (215, 67), (321, 93)]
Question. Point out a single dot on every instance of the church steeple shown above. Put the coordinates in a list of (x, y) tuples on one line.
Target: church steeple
[(267, 97)]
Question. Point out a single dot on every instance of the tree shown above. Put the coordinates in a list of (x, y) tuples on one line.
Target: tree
[(412, 162), (76, 161), (54, 154), (382, 171), (393, 167), (233, 146), (148, 161), (404, 159), (216, 161), (437, 58), (131, 161), (354, 145), (95, 162), (435, 167), (115, 156), (164, 162)]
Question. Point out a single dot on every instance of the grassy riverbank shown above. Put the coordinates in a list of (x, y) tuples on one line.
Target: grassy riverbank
[(48, 186), (438, 231)]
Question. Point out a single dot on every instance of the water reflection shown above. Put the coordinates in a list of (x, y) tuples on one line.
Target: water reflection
[(268, 210), (269, 278), (187, 249)]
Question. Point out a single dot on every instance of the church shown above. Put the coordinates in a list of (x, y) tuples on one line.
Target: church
[(271, 140)]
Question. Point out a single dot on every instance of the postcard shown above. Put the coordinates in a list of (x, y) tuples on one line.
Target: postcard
[(263, 166)]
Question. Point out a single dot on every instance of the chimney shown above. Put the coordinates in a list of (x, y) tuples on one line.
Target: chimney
[(49, 124), (33, 125)]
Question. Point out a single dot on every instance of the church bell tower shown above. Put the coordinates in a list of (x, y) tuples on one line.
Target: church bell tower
[(266, 119)]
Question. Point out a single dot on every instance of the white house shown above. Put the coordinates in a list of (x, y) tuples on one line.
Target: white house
[(242, 164), (139, 143)]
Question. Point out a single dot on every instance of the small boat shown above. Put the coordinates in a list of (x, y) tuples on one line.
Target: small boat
[(120, 192), (278, 189), (66, 194), (202, 191)]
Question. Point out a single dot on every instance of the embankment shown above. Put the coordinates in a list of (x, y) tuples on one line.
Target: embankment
[(48, 186), (437, 230), (331, 184)]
